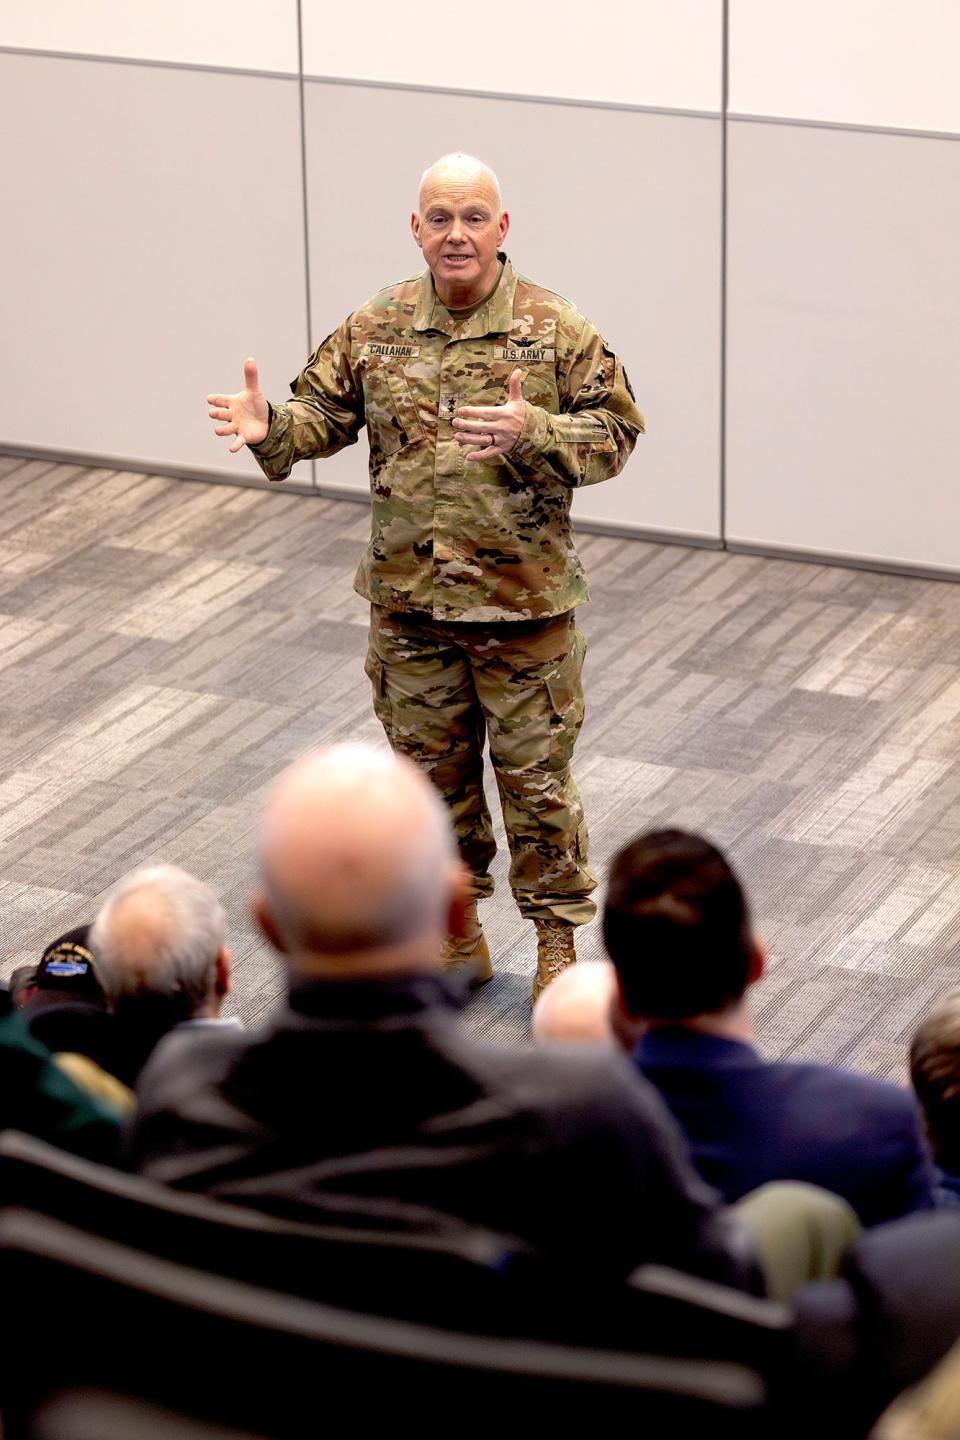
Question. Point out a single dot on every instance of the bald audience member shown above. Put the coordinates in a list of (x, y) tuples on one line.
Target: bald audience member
[(159, 951), (577, 1008), (364, 1098)]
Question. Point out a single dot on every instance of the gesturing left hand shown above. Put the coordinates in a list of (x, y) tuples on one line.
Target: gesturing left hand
[(495, 427)]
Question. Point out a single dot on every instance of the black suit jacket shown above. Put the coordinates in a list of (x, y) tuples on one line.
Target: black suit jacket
[(366, 1101)]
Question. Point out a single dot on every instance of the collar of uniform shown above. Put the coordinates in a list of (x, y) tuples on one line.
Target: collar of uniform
[(494, 318)]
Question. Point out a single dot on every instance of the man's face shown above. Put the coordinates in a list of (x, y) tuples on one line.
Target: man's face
[(459, 228)]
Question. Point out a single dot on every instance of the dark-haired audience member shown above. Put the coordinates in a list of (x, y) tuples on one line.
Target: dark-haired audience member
[(935, 1072), (37, 1098), (364, 1097), (159, 952), (677, 928)]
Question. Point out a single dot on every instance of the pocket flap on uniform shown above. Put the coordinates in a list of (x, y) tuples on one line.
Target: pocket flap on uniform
[(564, 683), (373, 669), (562, 689)]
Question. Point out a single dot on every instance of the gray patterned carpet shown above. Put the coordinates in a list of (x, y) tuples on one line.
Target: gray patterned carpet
[(166, 648)]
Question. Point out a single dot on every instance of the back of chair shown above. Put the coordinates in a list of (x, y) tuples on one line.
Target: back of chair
[(456, 1270), (460, 1277), (101, 1415), (92, 1313)]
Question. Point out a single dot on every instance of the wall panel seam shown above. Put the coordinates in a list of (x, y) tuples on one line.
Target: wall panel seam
[(303, 202), (150, 63), (724, 100), (745, 116), (476, 94), (301, 75), (800, 122)]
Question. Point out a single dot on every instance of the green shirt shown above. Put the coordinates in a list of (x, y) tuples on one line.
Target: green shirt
[(39, 1099)]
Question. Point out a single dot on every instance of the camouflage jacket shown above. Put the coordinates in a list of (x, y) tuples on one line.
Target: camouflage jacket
[(480, 542)]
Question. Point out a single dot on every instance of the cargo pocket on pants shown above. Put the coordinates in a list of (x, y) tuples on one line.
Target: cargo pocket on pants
[(376, 674), (566, 701)]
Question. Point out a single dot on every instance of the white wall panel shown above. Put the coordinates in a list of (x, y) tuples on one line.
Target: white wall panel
[(843, 424), (157, 239), (620, 211), (643, 52), (235, 34), (865, 62)]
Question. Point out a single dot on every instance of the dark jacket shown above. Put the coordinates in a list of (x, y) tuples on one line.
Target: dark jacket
[(120, 1042), (365, 1100), (750, 1121)]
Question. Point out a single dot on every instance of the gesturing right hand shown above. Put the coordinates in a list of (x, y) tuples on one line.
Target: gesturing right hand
[(246, 414)]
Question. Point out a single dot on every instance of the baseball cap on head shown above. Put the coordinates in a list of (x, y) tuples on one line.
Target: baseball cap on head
[(66, 972)]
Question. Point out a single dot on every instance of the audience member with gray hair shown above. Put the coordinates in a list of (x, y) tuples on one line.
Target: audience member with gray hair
[(159, 950), (162, 932)]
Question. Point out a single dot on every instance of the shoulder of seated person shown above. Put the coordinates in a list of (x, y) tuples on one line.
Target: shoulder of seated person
[(867, 1089), (188, 1049), (570, 1075)]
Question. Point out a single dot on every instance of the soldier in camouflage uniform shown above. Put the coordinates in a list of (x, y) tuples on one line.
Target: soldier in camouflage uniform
[(487, 401)]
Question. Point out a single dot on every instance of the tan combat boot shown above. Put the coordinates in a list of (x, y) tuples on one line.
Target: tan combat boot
[(554, 952), (470, 953)]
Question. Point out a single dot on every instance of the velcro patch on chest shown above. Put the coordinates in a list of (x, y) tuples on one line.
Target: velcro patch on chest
[(390, 352), (525, 354)]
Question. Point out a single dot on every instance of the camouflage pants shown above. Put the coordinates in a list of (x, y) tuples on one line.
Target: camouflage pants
[(440, 688)]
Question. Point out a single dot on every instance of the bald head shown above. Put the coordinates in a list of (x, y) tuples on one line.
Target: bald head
[(459, 171), (357, 858), (460, 224), (576, 1008)]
